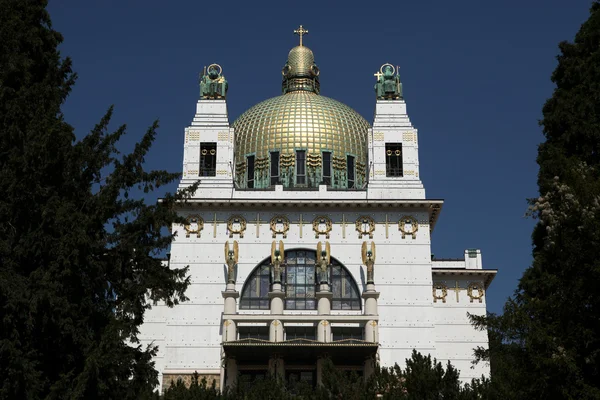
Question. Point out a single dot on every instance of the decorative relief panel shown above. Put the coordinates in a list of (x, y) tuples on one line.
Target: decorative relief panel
[(378, 136), (440, 292), (236, 224), (192, 136), (408, 226), (280, 224), (475, 291), (322, 226), (408, 137), (365, 225), (223, 136), (194, 225)]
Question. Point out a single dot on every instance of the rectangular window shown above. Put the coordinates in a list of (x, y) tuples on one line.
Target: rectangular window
[(250, 172), (274, 168), (341, 333), (253, 332), (208, 159), (326, 168), (301, 167), (300, 332), (350, 174), (393, 159)]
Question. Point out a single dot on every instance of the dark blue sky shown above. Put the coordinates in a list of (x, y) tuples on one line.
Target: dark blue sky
[(475, 75)]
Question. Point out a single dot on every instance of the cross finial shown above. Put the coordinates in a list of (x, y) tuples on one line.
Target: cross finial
[(300, 32)]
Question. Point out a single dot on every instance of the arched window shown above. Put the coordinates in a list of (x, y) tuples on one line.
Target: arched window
[(299, 284)]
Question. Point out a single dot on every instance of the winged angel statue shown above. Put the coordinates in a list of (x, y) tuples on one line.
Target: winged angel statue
[(231, 259), (323, 262), (368, 258)]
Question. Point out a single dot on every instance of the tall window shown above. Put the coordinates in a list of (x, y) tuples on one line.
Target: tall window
[(326, 168), (301, 167), (350, 172), (299, 278), (250, 172), (345, 291), (393, 159), (299, 284), (208, 159), (255, 294), (274, 167)]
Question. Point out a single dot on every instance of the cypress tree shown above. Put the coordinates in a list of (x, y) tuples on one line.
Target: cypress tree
[(547, 342), (79, 248)]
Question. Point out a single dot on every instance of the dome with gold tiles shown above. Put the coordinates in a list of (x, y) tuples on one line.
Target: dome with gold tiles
[(301, 139)]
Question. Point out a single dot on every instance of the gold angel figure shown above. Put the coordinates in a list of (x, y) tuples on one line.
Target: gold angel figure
[(323, 261), (368, 258), (231, 259), (277, 255)]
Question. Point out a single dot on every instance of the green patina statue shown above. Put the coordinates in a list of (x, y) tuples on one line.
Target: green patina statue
[(388, 86), (212, 83)]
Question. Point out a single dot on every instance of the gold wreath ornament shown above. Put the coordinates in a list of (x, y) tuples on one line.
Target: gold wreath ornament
[(414, 226), (285, 225), (365, 230), (326, 230), (193, 219), (443, 288), (236, 219), (475, 287)]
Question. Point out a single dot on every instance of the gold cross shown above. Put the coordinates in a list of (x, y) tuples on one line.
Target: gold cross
[(275, 324), (374, 324), (300, 32), (325, 323), (227, 323), (215, 226), (378, 75), (257, 224), (343, 226), (456, 290), (387, 227)]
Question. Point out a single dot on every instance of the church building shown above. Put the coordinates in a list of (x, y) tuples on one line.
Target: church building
[(310, 238)]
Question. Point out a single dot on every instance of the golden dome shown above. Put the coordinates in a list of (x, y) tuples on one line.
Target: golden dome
[(310, 139), (300, 61), (301, 120)]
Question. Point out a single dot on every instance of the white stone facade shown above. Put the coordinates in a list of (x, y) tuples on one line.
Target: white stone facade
[(422, 303)]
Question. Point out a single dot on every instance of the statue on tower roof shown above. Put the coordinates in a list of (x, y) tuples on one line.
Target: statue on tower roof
[(388, 86), (212, 83)]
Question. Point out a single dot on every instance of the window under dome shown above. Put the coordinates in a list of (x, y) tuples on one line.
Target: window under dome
[(299, 284)]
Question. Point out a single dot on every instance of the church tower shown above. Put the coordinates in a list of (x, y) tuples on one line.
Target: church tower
[(310, 237)]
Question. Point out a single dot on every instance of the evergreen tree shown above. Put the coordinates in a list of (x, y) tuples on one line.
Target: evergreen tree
[(78, 253), (548, 339), (423, 379)]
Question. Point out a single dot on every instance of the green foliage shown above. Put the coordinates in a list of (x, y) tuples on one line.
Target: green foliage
[(422, 379), (547, 342), (78, 250)]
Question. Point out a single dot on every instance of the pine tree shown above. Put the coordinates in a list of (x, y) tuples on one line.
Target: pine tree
[(79, 251), (548, 338)]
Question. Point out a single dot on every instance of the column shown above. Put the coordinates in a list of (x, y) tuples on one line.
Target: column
[(230, 295), (277, 366), (370, 296), (324, 297), (276, 331), (276, 295), (231, 372), (229, 331)]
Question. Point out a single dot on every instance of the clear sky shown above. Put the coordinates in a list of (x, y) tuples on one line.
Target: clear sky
[(475, 76)]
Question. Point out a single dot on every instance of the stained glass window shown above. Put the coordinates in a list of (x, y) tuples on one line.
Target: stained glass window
[(299, 284)]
